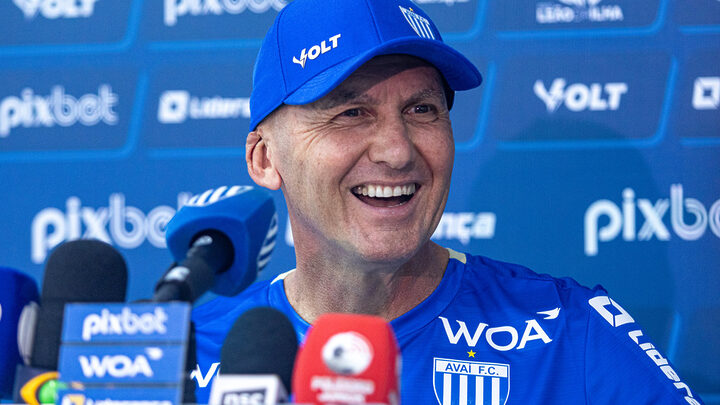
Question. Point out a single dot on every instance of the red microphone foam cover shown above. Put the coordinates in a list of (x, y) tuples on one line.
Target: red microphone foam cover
[(348, 359)]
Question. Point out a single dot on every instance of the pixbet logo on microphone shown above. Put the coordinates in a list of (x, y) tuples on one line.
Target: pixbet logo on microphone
[(118, 223), (125, 323)]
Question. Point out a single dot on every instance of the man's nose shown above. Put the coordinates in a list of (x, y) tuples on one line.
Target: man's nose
[(392, 144)]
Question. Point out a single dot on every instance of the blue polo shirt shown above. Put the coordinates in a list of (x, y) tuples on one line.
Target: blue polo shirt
[(492, 333)]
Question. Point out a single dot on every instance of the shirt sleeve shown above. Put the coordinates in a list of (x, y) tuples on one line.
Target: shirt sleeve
[(622, 365)]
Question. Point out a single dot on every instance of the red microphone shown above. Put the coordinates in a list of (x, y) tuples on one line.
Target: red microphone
[(348, 359)]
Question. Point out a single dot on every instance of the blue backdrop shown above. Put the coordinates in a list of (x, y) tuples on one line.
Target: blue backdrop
[(592, 149)]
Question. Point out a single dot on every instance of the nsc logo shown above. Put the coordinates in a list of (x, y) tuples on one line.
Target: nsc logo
[(120, 365), (622, 218), (118, 223), (244, 397), (179, 8), (53, 9)]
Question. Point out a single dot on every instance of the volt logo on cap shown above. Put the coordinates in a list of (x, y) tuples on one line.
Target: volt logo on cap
[(316, 50)]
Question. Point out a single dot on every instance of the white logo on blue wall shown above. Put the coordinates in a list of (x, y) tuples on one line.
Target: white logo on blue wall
[(31, 110), (118, 223), (124, 323), (174, 9), (577, 11), (120, 366), (53, 9), (622, 219), (470, 382), (706, 93), (580, 97), (178, 106)]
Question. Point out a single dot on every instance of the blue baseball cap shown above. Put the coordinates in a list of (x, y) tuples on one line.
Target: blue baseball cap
[(314, 45)]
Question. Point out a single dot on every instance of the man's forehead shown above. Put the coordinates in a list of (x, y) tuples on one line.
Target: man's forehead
[(355, 86)]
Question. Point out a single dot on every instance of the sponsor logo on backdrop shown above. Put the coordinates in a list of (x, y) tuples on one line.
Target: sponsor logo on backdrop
[(178, 106), (706, 93), (578, 97), (118, 223), (461, 226), (501, 338), (689, 219), (174, 9), (31, 110), (53, 9), (577, 11), (617, 317), (124, 323), (465, 226), (316, 50), (470, 382), (120, 366)]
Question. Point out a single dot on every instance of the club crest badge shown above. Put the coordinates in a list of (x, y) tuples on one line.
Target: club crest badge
[(419, 24), (460, 382)]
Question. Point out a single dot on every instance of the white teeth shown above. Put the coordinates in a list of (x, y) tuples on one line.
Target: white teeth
[(385, 191)]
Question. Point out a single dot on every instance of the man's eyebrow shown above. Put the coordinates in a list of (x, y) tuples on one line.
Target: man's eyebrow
[(346, 97), (339, 98)]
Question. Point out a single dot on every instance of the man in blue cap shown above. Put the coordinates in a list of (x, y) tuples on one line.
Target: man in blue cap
[(350, 118)]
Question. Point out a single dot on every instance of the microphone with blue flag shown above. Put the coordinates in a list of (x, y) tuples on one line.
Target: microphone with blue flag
[(222, 239)]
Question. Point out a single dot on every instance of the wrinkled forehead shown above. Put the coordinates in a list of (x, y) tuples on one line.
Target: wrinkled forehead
[(376, 70)]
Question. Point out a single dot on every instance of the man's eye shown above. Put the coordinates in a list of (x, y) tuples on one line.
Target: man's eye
[(353, 112), (422, 109)]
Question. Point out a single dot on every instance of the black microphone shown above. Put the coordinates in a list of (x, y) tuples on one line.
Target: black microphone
[(221, 239), (76, 271), (256, 359)]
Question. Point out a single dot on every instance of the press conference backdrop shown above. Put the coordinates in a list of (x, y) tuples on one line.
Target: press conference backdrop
[(592, 149)]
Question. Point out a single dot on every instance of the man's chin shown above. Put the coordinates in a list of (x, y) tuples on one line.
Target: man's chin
[(389, 253)]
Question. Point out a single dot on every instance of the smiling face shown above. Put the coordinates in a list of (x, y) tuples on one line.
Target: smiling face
[(366, 169)]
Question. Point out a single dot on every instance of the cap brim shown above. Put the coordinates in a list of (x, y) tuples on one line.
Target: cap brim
[(458, 71)]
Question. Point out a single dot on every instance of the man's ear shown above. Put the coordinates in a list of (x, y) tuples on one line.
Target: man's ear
[(259, 161)]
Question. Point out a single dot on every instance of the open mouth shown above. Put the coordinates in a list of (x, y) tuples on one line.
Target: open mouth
[(385, 196)]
